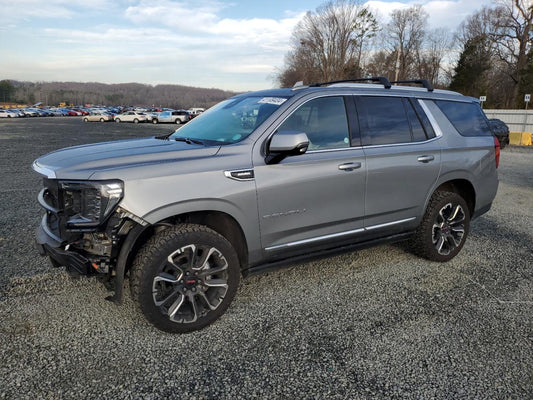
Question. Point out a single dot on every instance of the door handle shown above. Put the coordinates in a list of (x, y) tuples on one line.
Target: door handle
[(425, 159), (349, 166)]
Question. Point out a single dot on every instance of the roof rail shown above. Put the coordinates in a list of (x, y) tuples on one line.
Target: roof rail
[(423, 82), (380, 79)]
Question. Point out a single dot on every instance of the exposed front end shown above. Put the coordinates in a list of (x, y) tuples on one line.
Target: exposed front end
[(81, 226)]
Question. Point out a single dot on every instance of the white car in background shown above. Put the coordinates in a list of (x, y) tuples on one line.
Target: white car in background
[(131, 116), (8, 114)]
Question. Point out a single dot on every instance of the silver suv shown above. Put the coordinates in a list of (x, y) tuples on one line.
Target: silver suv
[(265, 179)]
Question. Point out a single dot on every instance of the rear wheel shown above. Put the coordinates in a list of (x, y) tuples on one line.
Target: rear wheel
[(85, 119), (135, 121), (178, 121), (154, 121), (185, 278), (117, 119), (444, 228), (102, 120)]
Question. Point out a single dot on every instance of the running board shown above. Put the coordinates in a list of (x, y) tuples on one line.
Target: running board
[(272, 266)]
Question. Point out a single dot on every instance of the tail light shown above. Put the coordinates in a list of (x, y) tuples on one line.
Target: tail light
[(497, 151)]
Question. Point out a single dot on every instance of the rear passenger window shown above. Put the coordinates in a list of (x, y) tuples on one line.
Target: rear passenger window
[(467, 118), (382, 120), (323, 120)]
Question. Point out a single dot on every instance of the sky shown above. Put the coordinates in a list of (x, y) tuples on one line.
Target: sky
[(236, 45)]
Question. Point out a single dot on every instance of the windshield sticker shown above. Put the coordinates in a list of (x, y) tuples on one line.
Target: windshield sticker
[(277, 101)]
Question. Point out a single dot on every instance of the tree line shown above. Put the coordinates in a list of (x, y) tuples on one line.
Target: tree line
[(126, 94), (490, 53)]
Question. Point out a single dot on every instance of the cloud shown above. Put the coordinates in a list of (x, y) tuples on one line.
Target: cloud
[(442, 13)]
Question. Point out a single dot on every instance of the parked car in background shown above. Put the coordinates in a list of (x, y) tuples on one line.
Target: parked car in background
[(100, 117), (131, 116), (174, 117), (500, 130), (8, 114), (195, 111)]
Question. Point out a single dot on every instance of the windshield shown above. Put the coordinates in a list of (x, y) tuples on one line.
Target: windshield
[(231, 120)]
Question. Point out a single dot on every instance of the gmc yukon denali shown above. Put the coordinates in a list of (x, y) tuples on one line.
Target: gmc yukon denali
[(264, 179)]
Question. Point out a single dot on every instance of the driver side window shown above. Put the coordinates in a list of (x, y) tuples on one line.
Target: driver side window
[(323, 120)]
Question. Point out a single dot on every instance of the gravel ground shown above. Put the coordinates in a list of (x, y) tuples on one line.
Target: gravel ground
[(378, 323)]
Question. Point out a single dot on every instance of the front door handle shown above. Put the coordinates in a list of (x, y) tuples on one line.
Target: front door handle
[(425, 159), (349, 166)]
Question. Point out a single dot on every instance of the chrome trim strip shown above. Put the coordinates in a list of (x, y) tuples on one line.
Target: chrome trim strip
[(431, 118), (389, 224), (374, 146), (335, 149), (334, 235), (49, 173), (315, 239), (227, 174)]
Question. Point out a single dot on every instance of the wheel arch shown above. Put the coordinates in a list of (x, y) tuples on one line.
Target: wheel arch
[(462, 187)]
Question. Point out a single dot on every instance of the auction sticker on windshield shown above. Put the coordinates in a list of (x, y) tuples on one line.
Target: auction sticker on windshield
[(277, 101)]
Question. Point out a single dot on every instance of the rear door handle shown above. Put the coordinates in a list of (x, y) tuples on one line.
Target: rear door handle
[(349, 166), (425, 159)]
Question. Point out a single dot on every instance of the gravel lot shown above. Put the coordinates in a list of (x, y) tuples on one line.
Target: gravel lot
[(378, 323)]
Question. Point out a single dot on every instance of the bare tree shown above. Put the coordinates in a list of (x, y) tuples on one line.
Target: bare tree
[(328, 43), (513, 37), (405, 34)]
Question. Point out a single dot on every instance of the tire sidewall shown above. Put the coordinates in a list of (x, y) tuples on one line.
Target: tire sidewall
[(166, 245)]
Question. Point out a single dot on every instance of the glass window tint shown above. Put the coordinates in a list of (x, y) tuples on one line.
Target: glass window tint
[(467, 118), (416, 127), (323, 120), (382, 120), (430, 132)]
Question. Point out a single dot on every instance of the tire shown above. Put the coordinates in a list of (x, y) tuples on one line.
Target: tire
[(102, 120), (135, 121), (177, 121), (185, 277), (117, 119), (85, 119), (154, 121), (444, 227)]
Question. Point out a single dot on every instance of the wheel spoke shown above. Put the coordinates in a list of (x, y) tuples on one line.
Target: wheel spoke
[(213, 271), (211, 306), (194, 305), (174, 308), (216, 283), (170, 263), (457, 212), (440, 244), (203, 261), (165, 277), (166, 299)]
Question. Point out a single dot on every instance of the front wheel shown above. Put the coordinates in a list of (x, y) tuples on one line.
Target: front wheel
[(444, 227), (178, 121), (85, 119), (154, 121), (185, 277), (102, 120), (135, 121), (117, 120)]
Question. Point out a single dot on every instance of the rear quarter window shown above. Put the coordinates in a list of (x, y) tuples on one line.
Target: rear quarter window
[(467, 118)]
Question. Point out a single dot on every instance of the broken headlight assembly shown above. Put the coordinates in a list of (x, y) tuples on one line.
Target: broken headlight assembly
[(87, 204)]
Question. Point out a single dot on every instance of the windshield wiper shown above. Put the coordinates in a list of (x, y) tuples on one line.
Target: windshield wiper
[(189, 140)]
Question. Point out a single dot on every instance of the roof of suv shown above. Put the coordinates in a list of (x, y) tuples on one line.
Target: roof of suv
[(385, 88)]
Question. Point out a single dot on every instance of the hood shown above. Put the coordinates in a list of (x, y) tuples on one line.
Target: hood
[(81, 162)]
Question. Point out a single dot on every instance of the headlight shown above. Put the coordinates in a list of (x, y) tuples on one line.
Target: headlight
[(89, 203)]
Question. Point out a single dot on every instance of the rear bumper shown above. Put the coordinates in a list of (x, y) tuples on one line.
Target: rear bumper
[(48, 245)]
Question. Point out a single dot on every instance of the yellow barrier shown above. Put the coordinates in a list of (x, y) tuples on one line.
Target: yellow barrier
[(520, 138)]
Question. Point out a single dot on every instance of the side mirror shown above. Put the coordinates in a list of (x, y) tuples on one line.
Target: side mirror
[(286, 143)]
